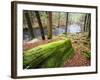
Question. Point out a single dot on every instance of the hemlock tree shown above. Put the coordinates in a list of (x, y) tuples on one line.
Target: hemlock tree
[(66, 22), (89, 25), (29, 24), (49, 27), (40, 24), (58, 19), (86, 22)]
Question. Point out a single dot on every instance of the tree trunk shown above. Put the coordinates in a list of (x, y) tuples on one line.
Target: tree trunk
[(89, 26), (32, 18), (40, 25), (53, 54), (85, 22), (49, 27), (58, 19), (66, 22), (29, 24)]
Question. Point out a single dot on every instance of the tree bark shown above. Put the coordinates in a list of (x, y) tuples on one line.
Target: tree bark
[(29, 24), (58, 19), (66, 22), (89, 26), (40, 25), (85, 22), (49, 27)]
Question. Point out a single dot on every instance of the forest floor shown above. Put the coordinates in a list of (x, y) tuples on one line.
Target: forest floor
[(80, 43)]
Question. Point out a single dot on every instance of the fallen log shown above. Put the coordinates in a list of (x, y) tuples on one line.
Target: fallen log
[(48, 55)]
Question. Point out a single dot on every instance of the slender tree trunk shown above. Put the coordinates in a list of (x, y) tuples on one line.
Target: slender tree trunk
[(29, 24), (40, 24), (45, 19), (49, 27), (66, 22), (85, 22), (32, 18), (89, 26), (58, 19)]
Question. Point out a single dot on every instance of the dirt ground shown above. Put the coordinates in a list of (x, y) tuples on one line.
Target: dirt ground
[(77, 60), (80, 43)]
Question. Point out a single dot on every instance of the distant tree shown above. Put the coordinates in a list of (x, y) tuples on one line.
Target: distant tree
[(86, 22), (58, 19), (49, 27), (32, 14), (29, 24), (66, 22), (45, 18), (40, 24), (89, 25)]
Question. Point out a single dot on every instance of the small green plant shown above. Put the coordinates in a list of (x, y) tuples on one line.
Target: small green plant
[(87, 54), (64, 33)]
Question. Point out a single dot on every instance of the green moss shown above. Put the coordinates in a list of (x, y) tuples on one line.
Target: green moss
[(47, 55)]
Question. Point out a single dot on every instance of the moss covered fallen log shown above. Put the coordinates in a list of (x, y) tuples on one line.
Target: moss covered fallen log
[(48, 55)]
